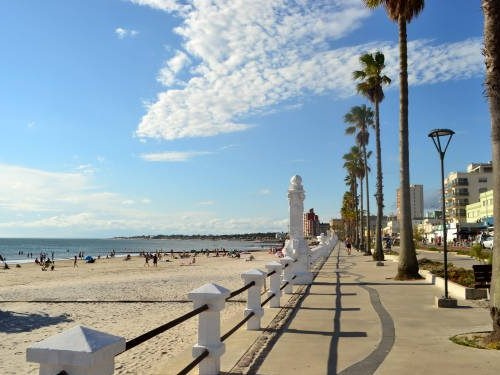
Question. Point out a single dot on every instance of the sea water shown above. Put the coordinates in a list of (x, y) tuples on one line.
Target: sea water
[(23, 250)]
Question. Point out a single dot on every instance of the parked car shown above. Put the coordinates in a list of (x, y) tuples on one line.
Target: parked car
[(488, 243)]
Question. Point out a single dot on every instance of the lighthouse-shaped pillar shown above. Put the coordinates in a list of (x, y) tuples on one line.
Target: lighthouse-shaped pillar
[(296, 247)]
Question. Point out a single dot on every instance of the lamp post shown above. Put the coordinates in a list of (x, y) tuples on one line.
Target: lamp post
[(445, 135)]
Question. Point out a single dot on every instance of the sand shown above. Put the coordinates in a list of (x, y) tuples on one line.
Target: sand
[(124, 298)]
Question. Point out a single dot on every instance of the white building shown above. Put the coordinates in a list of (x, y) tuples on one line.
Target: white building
[(416, 201)]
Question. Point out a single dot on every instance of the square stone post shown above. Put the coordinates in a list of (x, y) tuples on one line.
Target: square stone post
[(209, 326), (253, 299), (274, 283), (287, 273), (78, 351)]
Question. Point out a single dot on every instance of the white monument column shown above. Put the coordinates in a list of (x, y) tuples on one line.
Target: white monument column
[(296, 247)]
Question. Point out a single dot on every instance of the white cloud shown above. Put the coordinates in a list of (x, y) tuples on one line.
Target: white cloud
[(173, 156), (167, 75), (123, 33), (264, 191), (166, 5), (53, 204), (250, 55)]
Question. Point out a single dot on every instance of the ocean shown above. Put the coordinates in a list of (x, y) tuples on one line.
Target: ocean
[(24, 250)]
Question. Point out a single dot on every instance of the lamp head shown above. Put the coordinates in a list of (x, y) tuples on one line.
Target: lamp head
[(436, 135), (441, 133)]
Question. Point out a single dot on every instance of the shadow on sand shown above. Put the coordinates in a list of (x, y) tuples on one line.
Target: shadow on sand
[(14, 322)]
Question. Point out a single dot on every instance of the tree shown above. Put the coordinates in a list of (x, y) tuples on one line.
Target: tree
[(372, 79), (348, 213), (352, 207), (361, 119), (402, 12), (353, 163), (491, 9)]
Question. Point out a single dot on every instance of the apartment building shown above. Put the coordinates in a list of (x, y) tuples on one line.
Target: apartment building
[(311, 224), (416, 201), (482, 211), (463, 188)]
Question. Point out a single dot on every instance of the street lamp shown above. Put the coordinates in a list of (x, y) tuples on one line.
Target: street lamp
[(445, 135)]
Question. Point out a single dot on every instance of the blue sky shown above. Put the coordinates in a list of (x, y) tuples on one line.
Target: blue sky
[(123, 117)]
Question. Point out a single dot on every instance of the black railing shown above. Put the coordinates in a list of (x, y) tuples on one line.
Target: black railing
[(193, 364), (154, 332), (267, 299), (241, 290), (236, 327)]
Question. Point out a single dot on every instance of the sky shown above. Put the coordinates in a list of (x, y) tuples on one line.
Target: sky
[(131, 117)]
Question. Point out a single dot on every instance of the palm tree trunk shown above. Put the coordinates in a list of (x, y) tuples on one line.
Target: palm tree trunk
[(379, 252), (368, 250), (361, 221), (356, 203), (491, 9), (408, 265)]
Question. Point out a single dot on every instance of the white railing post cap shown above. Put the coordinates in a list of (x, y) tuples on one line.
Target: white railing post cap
[(211, 294), (254, 275), (274, 265), (79, 346)]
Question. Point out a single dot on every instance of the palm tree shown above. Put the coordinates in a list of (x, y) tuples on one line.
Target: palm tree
[(402, 12), (351, 182), (348, 214), (353, 163), (491, 9), (361, 118), (372, 79)]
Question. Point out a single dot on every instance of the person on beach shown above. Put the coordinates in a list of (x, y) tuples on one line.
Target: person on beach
[(75, 262), (348, 245)]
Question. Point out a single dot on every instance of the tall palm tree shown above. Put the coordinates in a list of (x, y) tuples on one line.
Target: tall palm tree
[(372, 79), (491, 9), (402, 12), (353, 163), (361, 119)]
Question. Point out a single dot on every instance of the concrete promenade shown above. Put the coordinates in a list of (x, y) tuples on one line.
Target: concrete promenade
[(355, 319)]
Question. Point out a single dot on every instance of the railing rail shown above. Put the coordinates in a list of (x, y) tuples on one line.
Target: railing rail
[(165, 327), (194, 363)]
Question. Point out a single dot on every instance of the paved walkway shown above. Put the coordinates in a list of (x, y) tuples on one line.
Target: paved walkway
[(355, 319)]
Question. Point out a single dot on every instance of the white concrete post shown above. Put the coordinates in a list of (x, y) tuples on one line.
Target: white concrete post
[(296, 247), (287, 273), (253, 299), (274, 283), (209, 326), (78, 351)]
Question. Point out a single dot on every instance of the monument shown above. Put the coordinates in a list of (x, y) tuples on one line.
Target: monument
[(296, 246)]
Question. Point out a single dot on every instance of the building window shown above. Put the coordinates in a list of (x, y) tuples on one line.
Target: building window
[(482, 190), (483, 179)]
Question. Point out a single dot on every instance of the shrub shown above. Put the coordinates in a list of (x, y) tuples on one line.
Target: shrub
[(460, 275)]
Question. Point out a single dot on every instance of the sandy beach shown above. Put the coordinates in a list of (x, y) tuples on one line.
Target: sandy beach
[(124, 298)]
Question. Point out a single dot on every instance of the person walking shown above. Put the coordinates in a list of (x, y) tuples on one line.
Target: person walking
[(348, 245)]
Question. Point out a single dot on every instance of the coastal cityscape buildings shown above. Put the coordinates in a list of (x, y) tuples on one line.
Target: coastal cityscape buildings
[(463, 188), (311, 223), (482, 211)]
